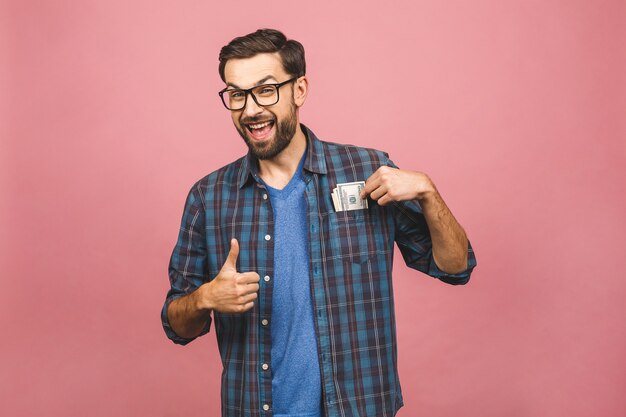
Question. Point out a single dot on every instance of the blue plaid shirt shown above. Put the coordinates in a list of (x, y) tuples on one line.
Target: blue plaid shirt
[(350, 256)]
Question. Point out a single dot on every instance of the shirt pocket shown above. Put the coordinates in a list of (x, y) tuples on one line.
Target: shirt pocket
[(350, 235)]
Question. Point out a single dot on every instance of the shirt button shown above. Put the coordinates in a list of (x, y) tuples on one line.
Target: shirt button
[(267, 237), (265, 367), (264, 196), (266, 278), (266, 407), (264, 322)]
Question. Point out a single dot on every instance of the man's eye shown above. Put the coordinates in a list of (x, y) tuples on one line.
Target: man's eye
[(266, 90), (236, 94)]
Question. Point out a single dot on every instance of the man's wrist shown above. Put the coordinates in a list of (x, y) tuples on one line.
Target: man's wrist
[(201, 299), (428, 193)]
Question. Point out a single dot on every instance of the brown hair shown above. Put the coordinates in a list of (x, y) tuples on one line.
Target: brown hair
[(266, 41)]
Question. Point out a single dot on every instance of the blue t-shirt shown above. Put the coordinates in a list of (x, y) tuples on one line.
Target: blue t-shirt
[(296, 383)]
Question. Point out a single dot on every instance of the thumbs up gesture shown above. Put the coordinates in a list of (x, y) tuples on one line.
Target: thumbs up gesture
[(231, 291)]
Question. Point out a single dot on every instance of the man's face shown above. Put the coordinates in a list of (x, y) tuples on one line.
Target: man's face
[(266, 130)]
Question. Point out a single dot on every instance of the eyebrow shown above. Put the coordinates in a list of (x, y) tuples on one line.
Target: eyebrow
[(260, 82)]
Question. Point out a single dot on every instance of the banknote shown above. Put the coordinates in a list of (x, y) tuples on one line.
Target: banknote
[(346, 196)]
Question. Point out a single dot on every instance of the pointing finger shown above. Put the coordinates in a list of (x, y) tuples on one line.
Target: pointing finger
[(248, 278), (371, 184)]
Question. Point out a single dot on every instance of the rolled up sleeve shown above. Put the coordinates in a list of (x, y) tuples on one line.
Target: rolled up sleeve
[(188, 263)]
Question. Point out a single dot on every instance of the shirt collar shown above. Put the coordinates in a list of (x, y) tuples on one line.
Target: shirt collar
[(315, 161)]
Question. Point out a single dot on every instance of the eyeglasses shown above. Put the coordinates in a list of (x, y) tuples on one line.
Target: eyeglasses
[(263, 95)]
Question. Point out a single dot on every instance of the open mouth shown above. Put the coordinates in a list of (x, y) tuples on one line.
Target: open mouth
[(261, 130)]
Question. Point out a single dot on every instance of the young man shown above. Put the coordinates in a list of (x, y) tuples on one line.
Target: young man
[(290, 250)]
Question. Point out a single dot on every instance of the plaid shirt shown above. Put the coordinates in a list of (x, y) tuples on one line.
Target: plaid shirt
[(350, 260)]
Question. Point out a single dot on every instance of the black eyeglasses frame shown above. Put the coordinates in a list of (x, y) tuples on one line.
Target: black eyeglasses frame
[(248, 91)]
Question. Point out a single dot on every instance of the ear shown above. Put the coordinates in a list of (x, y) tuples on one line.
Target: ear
[(300, 90)]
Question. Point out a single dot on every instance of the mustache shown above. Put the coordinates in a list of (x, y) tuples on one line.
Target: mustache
[(255, 119)]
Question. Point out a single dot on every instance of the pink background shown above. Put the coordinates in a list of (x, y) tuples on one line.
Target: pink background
[(516, 109)]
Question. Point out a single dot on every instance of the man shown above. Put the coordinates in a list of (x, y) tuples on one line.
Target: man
[(298, 281)]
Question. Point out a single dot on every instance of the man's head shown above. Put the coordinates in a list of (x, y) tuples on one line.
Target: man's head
[(266, 118), (266, 41)]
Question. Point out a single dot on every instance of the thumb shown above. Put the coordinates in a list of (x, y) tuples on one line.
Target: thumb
[(231, 261)]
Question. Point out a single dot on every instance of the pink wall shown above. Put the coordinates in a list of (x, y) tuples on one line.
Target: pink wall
[(109, 113)]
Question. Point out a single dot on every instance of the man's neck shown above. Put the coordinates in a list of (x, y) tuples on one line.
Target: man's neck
[(278, 171)]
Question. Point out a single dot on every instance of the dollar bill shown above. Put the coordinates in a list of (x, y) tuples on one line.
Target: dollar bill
[(346, 196), (335, 200)]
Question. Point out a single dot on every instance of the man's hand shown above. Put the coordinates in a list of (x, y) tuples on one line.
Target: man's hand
[(391, 184), (387, 185), (230, 291)]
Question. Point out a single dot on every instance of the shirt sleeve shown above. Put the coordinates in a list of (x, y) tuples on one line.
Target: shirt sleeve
[(188, 264), (413, 239)]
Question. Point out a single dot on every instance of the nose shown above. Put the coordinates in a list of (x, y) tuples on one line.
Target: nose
[(251, 108)]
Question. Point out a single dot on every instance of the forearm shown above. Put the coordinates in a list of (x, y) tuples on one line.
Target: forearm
[(449, 243), (187, 316), (448, 237)]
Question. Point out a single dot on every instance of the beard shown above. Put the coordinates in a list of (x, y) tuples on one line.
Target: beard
[(284, 131)]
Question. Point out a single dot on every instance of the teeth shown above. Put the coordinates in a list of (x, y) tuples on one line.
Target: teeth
[(260, 125)]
